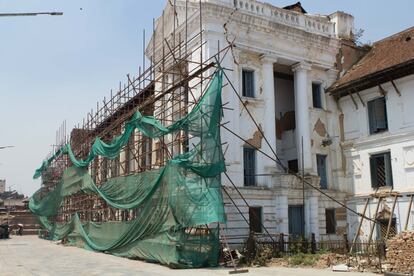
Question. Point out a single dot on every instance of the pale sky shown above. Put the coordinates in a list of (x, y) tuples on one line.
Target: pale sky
[(55, 68)]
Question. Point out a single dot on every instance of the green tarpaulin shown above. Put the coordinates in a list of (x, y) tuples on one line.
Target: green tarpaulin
[(170, 201)]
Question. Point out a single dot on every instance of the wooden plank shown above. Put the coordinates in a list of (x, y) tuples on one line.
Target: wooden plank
[(353, 100), (382, 90), (390, 220), (408, 213), (375, 220), (359, 226), (396, 88), (360, 98)]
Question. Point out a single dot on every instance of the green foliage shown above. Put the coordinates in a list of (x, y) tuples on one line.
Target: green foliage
[(299, 245), (304, 259)]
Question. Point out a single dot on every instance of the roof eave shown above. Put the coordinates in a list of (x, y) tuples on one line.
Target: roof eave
[(391, 73)]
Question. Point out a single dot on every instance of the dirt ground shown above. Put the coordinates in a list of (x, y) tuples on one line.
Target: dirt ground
[(29, 255)]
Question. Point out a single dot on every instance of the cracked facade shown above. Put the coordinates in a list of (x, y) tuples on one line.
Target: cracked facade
[(283, 62)]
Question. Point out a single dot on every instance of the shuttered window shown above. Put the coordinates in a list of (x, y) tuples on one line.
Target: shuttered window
[(255, 219), (381, 170), (377, 114), (249, 164), (248, 83)]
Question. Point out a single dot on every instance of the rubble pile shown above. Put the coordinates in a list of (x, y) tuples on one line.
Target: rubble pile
[(400, 253), (330, 259)]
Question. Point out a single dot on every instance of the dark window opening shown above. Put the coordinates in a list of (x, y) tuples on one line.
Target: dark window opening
[(296, 220), (317, 95), (248, 83), (293, 166), (321, 167), (381, 171), (249, 164), (377, 115), (383, 227), (255, 219), (330, 221)]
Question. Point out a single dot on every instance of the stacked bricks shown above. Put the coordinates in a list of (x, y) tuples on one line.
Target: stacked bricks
[(400, 253)]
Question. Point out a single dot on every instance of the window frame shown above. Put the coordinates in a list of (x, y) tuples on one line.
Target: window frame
[(291, 221), (253, 83), (252, 219), (331, 230), (372, 121), (317, 104), (389, 180), (248, 178), (325, 157)]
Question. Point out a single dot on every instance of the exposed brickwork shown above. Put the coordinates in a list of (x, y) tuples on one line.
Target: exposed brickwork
[(386, 53), (400, 253)]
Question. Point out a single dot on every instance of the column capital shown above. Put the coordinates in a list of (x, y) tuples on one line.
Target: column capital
[(300, 66), (267, 58)]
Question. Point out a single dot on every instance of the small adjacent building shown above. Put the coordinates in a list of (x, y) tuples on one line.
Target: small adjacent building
[(375, 101)]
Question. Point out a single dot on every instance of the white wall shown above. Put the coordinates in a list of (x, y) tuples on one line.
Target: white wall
[(399, 139)]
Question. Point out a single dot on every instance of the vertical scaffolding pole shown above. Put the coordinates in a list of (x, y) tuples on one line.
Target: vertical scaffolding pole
[(359, 226), (408, 213), (391, 215), (371, 232)]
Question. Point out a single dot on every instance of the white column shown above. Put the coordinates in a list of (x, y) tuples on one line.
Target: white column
[(302, 115), (266, 165), (312, 218), (282, 212)]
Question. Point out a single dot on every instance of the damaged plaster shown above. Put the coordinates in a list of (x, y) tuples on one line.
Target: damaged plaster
[(256, 141), (320, 128)]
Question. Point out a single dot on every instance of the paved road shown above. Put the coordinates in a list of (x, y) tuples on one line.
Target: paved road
[(29, 255)]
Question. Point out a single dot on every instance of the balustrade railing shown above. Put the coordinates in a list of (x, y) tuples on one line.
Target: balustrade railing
[(311, 23)]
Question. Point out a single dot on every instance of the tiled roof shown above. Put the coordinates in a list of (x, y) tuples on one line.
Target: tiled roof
[(385, 54)]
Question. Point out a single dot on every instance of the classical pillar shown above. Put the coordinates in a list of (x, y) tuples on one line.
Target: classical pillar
[(269, 120), (312, 214), (282, 211), (302, 115)]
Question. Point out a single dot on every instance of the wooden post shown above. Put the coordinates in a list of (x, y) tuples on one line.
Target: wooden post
[(375, 221), (281, 243), (396, 88), (346, 242), (408, 213), (313, 244), (390, 220), (359, 227)]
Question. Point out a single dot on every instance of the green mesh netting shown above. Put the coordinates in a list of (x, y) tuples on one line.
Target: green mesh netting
[(183, 194)]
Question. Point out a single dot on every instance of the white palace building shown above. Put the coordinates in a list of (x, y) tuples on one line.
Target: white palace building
[(339, 113)]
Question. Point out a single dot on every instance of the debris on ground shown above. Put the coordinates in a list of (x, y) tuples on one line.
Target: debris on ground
[(340, 268), (400, 253)]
